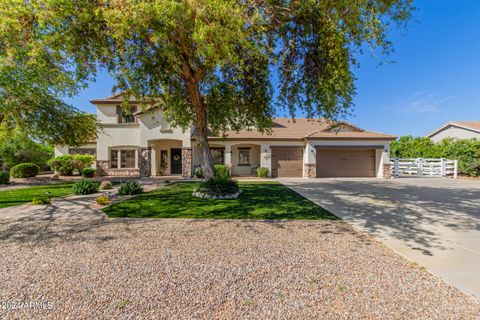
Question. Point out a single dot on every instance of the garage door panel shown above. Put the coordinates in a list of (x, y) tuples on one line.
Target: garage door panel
[(346, 162), (287, 161)]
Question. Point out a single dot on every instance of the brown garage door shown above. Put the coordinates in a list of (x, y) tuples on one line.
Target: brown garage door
[(287, 161), (345, 162)]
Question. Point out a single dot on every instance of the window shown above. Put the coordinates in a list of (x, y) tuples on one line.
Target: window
[(124, 159), (217, 155), (90, 151), (243, 156), (113, 159), (127, 158), (126, 117)]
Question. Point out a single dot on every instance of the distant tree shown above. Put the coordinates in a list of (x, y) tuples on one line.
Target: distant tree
[(207, 63), (16, 148)]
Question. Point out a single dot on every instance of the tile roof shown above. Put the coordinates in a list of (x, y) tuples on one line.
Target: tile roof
[(303, 128), (474, 125), (116, 98)]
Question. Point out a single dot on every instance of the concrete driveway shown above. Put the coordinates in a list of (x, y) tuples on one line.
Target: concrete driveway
[(434, 222)]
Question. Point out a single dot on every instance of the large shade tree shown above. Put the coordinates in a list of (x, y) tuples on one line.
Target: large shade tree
[(208, 64)]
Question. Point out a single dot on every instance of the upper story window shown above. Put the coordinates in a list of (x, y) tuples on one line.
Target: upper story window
[(126, 117)]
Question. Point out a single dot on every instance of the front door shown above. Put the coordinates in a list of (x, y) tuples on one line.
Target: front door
[(176, 161)]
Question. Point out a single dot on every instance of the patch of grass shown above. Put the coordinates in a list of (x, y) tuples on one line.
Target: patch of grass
[(260, 200), (15, 197)]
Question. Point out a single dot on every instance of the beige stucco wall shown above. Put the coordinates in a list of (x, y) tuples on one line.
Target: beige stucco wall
[(454, 132), (153, 126), (149, 127), (117, 135)]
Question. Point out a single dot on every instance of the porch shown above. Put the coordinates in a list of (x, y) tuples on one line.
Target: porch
[(243, 159)]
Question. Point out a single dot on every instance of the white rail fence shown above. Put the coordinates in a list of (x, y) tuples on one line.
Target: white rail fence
[(408, 167)]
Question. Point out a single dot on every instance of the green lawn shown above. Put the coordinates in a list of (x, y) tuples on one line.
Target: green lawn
[(260, 200), (15, 197)]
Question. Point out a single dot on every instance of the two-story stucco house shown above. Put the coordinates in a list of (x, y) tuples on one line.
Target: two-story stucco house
[(143, 144), (458, 130)]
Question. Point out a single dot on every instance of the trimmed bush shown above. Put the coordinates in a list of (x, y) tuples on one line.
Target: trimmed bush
[(198, 173), (39, 201), (66, 165), (86, 186), (103, 200), (221, 171), (4, 177), (218, 186), (130, 187), (106, 185), (89, 172), (24, 170), (263, 172)]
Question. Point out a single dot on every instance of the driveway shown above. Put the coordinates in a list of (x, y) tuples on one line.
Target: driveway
[(434, 222)]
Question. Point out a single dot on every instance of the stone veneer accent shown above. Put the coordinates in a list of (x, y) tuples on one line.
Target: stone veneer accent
[(387, 170), (310, 170), (104, 170), (144, 160), (102, 167), (186, 162)]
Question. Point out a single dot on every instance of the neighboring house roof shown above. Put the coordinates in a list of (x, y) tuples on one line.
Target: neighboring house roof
[(468, 125), (116, 98), (304, 128)]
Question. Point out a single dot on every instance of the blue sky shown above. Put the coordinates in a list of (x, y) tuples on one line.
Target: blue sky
[(435, 79)]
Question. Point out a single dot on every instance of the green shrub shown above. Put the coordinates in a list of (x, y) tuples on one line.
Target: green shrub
[(221, 171), (24, 170), (263, 172), (81, 161), (40, 201), (106, 185), (4, 177), (103, 200), (62, 164), (89, 172), (85, 186), (17, 147), (130, 187), (67, 164), (198, 173), (218, 186)]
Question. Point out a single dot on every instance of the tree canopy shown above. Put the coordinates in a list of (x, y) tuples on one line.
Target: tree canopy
[(209, 64)]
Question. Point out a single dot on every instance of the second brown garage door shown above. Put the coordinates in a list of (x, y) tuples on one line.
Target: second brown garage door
[(345, 162), (287, 161)]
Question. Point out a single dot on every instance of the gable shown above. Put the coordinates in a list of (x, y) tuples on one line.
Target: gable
[(342, 128)]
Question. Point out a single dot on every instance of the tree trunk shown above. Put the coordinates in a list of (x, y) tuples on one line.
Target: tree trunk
[(206, 159), (201, 128)]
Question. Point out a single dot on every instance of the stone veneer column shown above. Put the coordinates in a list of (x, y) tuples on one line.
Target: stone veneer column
[(310, 170), (186, 162), (387, 170), (144, 160), (102, 166)]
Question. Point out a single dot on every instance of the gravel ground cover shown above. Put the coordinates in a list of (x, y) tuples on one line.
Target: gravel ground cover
[(214, 269)]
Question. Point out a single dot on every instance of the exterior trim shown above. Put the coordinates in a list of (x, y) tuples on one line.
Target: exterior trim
[(353, 138), (350, 147)]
